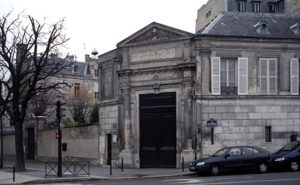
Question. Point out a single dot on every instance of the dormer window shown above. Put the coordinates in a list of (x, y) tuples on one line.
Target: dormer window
[(76, 69), (256, 6), (295, 28), (262, 28), (241, 5)]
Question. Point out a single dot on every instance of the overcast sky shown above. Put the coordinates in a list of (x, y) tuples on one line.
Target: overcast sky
[(102, 24)]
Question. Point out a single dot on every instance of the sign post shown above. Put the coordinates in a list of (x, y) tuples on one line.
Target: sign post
[(212, 123), (59, 137)]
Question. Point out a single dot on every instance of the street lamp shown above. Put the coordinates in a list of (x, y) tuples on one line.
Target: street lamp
[(1, 127)]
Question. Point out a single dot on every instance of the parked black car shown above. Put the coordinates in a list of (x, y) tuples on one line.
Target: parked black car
[(288, 157), (233, 159)]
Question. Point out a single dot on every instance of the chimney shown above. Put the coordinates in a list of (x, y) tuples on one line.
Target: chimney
[(87, 57), (21, 51)]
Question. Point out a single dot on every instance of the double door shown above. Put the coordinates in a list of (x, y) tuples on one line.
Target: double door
[(158, 130)]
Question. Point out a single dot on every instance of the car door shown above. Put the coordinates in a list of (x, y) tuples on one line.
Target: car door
[(232, 160), (249, 158)]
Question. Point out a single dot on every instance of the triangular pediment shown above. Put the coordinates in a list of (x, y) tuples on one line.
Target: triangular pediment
[(155, 32)]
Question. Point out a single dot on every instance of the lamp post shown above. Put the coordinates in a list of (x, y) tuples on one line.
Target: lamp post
[(1, 127)]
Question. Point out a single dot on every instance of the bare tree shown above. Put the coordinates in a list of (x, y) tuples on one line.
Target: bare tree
[(25, 48), (80, 103), (43, 104)]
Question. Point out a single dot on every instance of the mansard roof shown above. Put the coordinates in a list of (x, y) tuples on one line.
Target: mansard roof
[(155, 32), (264, 25), (76, 69)]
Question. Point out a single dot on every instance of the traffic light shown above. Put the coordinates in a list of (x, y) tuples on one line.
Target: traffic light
[(57, 135)]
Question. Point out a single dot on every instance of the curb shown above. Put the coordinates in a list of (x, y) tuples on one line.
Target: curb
[(93, 178)]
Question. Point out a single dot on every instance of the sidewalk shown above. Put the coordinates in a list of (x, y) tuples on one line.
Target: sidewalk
[(35, 173)]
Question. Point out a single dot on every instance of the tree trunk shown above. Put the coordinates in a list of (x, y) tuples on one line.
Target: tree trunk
[(20, 161)]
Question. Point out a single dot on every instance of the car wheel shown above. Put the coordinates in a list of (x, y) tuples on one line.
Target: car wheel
[(294, 166), (214, 170), (262, 167)]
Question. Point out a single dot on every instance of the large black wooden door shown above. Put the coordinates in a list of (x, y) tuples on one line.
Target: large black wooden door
[(30, 143), (158, 130)]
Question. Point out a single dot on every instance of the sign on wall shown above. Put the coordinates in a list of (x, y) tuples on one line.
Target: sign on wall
[(212, 122)]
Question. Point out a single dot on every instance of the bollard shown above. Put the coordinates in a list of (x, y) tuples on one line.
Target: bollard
[(14, 171), (110, 168), (122, 167), (182, 164)]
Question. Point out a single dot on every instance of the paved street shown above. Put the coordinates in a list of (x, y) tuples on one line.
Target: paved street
[(290, 178)]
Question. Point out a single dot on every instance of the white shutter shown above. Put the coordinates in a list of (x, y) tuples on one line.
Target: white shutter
[(263, 73), (215, 75), (294, 72), (272, 76), (242, 76)]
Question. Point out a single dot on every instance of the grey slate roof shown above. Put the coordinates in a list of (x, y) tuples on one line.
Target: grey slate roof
[(81, 69), (243, 24)]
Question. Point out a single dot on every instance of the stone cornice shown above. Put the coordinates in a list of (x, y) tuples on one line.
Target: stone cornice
[(190, 66), (245, 97)]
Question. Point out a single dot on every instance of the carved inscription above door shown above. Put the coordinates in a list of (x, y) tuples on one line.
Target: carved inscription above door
[(154, 54)]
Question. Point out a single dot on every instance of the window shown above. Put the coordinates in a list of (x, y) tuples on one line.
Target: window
[(262, 27), (77, 89), (76, 69), (272, 7), (241, 6), (208, 14), (268, 132), (256, 6), (268, 75), (229, 76), (96, 72), (248, 151), (235, 152)]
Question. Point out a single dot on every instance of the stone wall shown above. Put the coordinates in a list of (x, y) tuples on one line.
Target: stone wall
[(82, 142), (9, 144), (109, 124), (243, 122)]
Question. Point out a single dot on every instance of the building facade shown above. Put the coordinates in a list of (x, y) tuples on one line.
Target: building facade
[(213, 8), (166, 94)]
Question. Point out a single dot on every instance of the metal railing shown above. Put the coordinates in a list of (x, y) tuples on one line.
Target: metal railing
[(69, 168)]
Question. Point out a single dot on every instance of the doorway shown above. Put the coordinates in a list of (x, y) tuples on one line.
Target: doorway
[(158, 130), (30, 143)]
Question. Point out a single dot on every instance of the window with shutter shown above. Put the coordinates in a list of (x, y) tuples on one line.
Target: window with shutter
[(242, 76), (229, 76), (215, 75), (268, 75), (294, 73)]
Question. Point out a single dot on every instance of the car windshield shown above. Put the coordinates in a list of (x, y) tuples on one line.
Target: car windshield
[(220, 152), (290, 146)]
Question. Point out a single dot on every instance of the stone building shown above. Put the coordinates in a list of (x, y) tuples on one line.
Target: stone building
[(248, 73), (80, 76), (165, 94), (213, 8)]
